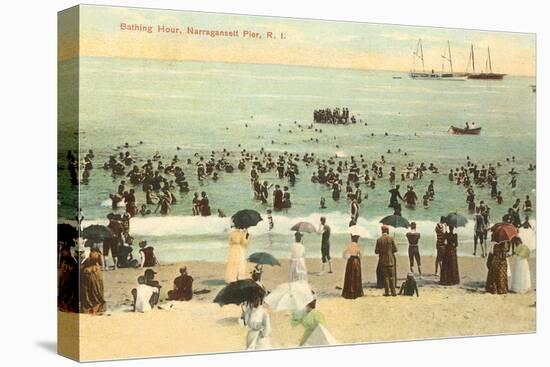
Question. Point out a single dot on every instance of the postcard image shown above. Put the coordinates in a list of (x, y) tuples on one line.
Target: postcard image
[(230, 182)]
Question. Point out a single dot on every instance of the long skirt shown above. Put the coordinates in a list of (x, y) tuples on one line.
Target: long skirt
[(497, 277), (449, 267), (353, 284), (236, 264), (297, 270), (521, 275), (91, 292), (67, 299), (255, 341)]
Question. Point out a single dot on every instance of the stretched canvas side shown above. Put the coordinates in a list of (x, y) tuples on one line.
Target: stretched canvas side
[(68, 336)]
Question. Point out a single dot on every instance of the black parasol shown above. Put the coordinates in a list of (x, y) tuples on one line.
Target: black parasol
[(246, 218), (395, 221), (66, 234), (263, 258), (239, 292), (97, 233), (456, 220)]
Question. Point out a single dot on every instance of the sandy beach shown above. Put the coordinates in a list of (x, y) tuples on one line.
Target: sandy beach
[(200, 326)]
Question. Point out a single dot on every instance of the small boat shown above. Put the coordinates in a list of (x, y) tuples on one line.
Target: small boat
[(458, 131), (397, 77)]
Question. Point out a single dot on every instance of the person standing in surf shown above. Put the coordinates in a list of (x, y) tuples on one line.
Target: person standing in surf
[(324, 230), (287, 204), (277, 198), (204, 205), (394, 195), (354, 208), (336, 188), (196, 203)]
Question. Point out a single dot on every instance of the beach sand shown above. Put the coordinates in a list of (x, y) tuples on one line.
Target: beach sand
[(200, 326)]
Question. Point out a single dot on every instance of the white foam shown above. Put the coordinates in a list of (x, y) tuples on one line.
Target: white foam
[(182, 226)]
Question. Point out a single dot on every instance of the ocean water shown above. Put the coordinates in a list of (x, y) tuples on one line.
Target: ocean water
[(201, 107)]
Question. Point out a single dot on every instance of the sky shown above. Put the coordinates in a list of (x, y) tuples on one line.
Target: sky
[(315, 43)]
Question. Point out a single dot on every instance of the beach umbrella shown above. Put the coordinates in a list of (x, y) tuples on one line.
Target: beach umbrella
[(395, 221), (456, 220), (66, 233), (289, 296), (238, 292), (97, 233), (360, 231), (503, 232), (304, 227), (246, 218), (263, 258)]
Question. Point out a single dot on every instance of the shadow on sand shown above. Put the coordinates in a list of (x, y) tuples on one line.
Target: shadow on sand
[(213, 282), (228, 321)]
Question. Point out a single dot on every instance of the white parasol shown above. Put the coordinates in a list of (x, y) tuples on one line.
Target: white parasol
[(290, 296)]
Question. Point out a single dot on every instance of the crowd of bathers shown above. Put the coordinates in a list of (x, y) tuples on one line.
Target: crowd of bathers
[(336, 116)]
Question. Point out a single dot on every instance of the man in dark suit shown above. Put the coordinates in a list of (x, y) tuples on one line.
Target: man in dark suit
[(385, 248)]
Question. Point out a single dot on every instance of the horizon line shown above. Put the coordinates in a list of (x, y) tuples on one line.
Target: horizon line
[(266, 64)]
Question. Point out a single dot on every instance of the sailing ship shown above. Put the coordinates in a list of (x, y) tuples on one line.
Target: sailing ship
[(423, 75), (488, 66)]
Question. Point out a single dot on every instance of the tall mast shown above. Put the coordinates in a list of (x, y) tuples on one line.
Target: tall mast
[(450, 56), (421, 53), (473, 61), (489, 59)]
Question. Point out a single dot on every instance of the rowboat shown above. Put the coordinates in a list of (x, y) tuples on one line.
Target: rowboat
[(459, 131)]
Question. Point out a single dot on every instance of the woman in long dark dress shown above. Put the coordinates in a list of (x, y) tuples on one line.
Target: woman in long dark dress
[(353, 284), (497, 274), (91, 284), (449, 264), (67, 297)]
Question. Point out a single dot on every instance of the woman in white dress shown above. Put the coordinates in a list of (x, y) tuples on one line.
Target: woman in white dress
[(297, 268), (258, 322), (521, 275), (236, 259)]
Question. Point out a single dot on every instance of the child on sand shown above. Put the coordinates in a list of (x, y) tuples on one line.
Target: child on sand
[(409, 287)]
